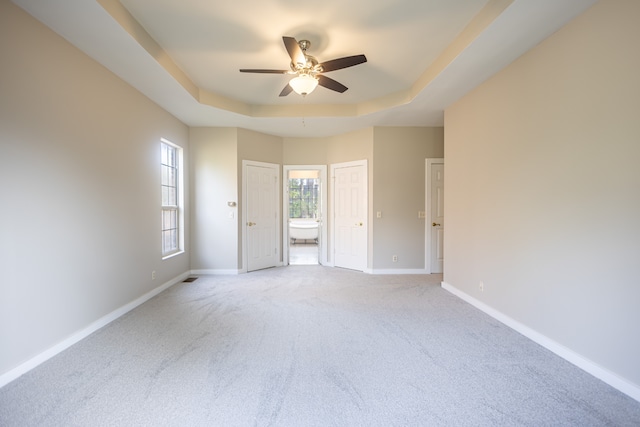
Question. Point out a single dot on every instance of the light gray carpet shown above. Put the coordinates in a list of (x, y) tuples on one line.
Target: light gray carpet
[(310, 346)]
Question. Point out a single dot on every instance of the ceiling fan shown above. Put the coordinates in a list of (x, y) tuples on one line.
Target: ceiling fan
[(308, 71)]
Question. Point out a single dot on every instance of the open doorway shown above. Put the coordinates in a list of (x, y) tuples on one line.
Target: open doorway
[(304, 232)]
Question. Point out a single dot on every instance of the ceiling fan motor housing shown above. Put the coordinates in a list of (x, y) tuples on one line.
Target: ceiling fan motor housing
[(310, 67)]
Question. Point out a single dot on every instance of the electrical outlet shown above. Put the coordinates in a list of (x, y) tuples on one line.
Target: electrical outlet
[(394, 258), (153, 275), (481, 286)]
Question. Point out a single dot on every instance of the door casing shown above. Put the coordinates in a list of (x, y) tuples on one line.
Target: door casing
[(323, 258)]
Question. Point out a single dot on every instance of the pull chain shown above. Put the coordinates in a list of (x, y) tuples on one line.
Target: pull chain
[(304, 123)]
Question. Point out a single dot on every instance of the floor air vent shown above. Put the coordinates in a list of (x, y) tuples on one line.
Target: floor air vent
[(190, 279)]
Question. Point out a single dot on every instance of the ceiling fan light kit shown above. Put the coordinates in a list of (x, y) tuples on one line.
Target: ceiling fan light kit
[(307, 69), (304, 84)]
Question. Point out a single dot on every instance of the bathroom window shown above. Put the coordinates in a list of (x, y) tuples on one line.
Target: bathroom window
[(303, 197)]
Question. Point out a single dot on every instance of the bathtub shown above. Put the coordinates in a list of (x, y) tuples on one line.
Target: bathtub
[(303, 229)]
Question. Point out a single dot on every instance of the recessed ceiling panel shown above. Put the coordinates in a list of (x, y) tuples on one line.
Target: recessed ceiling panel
[(210, 41)]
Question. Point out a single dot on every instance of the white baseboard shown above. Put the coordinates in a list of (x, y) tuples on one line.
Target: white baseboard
[(398, 271), (216, 271), (615, 381), (25, 367)]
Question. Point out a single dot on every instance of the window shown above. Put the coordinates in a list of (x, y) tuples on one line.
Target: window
[(171, 198), (303, 198)]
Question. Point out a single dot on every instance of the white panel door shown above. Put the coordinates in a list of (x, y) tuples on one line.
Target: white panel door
[(437, 217), (261, 216), (350, 217)]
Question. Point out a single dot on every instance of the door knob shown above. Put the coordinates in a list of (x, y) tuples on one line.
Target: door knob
[(434, 224), (359, 224), (250, 224)]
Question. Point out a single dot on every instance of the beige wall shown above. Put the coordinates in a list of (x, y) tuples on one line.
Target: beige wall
[(81, 151), (216, 160), (395, 159), (351, 146), (305, 151), (80, 223), (398, 190), (543, 189), (258, 147), (214, 183)]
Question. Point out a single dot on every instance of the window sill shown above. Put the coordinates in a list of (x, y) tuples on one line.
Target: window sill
[(171, 255)]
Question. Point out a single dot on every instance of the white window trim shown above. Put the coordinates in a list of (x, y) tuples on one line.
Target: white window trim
[(180, 202)]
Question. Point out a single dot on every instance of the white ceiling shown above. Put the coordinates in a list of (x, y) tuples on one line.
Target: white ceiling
[(422, 54)]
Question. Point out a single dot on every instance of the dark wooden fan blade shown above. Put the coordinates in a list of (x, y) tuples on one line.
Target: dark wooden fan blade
[(340, 63), (261, 71), (293, 48), (331, 84), (286, 90)]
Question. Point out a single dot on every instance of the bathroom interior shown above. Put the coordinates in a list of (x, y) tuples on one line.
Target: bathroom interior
[(304, 217)]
